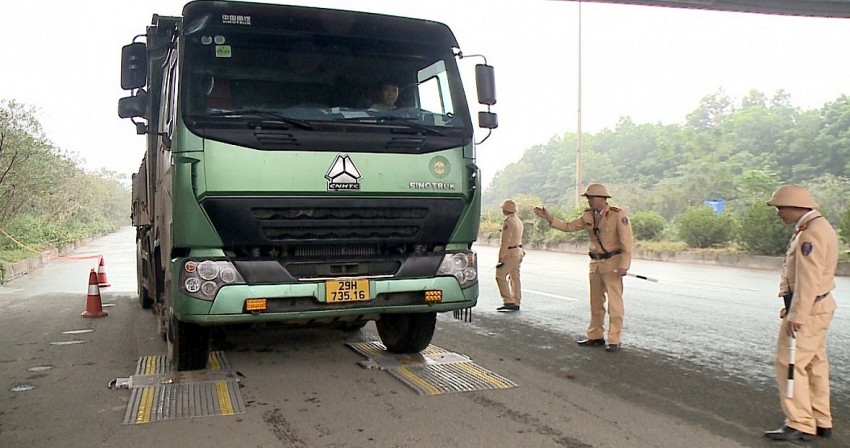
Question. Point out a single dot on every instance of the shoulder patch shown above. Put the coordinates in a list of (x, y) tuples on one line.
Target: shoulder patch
[(807, 248), (624, 220)]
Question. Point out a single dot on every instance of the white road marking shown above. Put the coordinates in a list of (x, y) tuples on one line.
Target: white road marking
[(554, 296), (719, 286)]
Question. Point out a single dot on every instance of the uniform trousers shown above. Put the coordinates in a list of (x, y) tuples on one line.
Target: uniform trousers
[(605, 285), (507, 277), (809, 408)]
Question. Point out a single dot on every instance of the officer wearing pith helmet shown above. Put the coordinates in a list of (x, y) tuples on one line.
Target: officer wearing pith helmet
[(808, 277), (792, 196), (610, 245), (596, 190), (510, 258)]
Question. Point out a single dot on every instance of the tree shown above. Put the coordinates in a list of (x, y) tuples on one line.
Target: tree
[(648, 225), (712, 112), (795, 163), (24, 156), (761, 232), (844, 226), (831, 193), (701, 227), (754, 185), (530, 173), (738, 154), (834, 137), (45, 198), (757, 128)]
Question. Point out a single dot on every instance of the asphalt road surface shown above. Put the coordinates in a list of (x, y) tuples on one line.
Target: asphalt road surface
[(695, 369)]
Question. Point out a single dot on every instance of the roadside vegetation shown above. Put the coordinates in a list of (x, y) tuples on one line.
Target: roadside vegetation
[(46, 199), (701, 185), (728, 153)]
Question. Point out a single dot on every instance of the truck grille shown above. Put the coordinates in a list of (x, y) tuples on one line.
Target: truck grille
[(324, 213), (318, 232), (336, 250), (274, 240), (336, 222)]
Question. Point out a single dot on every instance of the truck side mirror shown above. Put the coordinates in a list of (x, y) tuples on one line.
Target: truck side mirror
[(134, 66), (488, 120), (485, 81), (133, 106)]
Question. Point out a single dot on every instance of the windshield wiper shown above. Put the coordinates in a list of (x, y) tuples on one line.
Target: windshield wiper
[(397, 120), (265, 114)]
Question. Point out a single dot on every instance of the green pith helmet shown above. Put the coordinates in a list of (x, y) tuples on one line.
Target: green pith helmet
[(596, 190), (792, 196)]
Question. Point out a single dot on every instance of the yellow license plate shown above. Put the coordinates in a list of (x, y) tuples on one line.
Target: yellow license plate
[(347, 290)]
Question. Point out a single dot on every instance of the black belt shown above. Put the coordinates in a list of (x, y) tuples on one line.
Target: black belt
[(606, 255), (514, 247)]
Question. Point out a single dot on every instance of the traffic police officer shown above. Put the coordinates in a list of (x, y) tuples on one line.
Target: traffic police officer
[(510, 258), (610, 257), (808, 276)]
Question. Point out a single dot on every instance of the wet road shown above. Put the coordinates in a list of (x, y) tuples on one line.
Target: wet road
[(723, 319), (305, 388), (718, 318), (696, 366)]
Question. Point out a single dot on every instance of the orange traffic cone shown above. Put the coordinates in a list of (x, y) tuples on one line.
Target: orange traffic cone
[(101, 275), (93, 306)]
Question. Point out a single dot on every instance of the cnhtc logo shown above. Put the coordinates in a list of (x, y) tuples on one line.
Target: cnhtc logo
[(343, 174)]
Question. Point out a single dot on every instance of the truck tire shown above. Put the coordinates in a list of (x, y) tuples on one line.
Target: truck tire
[(406, 333), (188, 345), (145, 299), (142, 273)]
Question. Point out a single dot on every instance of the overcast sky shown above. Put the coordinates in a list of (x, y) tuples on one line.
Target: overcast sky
[(651, 64)]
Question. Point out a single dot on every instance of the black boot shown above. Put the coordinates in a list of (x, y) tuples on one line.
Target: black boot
[(591, 342), (788, 433)]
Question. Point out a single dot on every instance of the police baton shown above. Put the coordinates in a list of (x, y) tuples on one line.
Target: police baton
[(792, 353), (642, 277)]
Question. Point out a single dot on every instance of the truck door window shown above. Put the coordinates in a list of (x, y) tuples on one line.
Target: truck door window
[(434, 93), (169, 91)]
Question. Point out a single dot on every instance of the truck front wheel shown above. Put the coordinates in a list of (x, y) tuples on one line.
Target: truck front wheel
[(142, 275), (145, 299), (406, 333), (188, 345)]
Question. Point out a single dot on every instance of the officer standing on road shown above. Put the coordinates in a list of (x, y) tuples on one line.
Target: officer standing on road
[(610, 257), (808, 276), (510, 258)]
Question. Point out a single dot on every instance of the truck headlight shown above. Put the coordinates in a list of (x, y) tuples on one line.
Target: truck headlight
[(203, 278), (461, 265)]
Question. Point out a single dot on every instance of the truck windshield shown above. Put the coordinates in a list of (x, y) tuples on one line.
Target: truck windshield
[(233, 73)]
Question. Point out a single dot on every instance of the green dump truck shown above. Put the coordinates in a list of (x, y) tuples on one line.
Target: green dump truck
[(274, 191)]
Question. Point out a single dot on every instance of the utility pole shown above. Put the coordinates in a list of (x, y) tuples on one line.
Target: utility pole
[(578, 136)]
